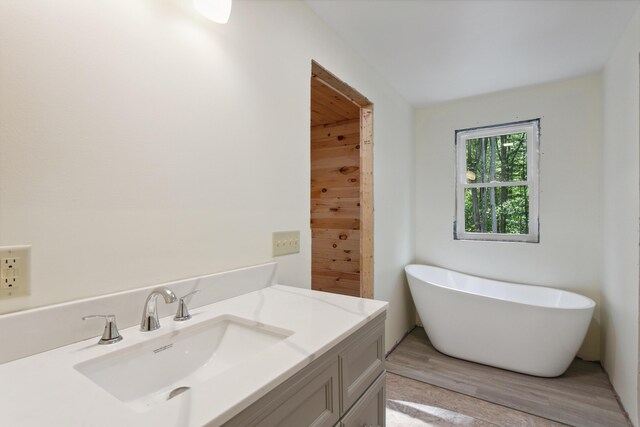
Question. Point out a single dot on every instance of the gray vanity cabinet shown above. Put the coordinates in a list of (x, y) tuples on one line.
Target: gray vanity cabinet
[(342, 388), (368, 410)]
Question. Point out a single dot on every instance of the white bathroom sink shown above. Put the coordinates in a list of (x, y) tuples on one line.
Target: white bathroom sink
[(156, 370)]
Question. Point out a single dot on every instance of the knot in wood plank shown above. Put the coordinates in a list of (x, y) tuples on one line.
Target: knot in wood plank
[(348, 170)]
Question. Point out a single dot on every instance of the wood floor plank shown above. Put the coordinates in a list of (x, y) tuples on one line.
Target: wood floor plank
[(582, 396), (414, 403)]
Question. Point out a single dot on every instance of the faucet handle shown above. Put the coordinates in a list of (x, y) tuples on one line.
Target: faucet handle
[(110, 335), (183, 312)]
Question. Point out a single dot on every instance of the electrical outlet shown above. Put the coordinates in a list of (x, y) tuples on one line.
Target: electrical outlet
[(10, 272), (286, 242), (14, 270)]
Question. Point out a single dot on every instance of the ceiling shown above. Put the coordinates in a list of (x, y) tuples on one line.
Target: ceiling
[(330, 106), (434, 51)]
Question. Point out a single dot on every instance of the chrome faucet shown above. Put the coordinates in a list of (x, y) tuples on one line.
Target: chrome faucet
[(150, 321), (183, 311), (110, 335)]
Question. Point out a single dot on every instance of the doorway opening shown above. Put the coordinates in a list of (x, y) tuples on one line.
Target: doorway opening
[(341, 186)]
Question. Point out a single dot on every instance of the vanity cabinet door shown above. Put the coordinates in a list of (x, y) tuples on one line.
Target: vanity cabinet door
[(310, 399), (370, 409), (360, 364)]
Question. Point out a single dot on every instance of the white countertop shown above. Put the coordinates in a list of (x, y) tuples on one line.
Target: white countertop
[(46, 389)]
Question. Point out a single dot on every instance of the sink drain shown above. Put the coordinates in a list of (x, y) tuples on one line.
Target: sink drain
[(177, 391)]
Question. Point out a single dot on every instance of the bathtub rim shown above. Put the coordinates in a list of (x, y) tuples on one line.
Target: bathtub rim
[(590, 303)]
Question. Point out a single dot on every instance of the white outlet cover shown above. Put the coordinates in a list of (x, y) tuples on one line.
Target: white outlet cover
[(15, 271)]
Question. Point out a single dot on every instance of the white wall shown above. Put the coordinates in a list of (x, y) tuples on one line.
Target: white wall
[(568, 255), (621, 211), (141, 143)]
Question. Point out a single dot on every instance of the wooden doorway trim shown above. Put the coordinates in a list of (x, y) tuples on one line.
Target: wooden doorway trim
[(366, 172)]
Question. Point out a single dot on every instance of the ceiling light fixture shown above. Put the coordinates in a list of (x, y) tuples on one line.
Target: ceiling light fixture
[(215, 10)]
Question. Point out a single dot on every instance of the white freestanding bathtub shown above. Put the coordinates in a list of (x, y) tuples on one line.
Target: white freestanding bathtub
[(530, 329)]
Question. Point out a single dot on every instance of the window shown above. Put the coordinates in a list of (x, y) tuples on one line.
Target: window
[(497, 182)]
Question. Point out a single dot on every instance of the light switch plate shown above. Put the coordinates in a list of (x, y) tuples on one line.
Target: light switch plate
[(286, 242), (15, 271)]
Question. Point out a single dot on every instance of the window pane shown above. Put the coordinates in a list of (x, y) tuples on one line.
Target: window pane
[(497, 210), (500, 158)]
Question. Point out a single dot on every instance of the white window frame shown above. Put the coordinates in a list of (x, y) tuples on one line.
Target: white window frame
[(532, 129)]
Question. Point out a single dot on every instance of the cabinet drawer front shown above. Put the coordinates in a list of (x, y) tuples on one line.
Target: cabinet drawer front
[(370, 410), (310, 400), (360, 365)]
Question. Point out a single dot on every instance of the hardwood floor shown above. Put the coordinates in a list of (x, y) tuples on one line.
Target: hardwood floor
[(412, 403), (581, 397)]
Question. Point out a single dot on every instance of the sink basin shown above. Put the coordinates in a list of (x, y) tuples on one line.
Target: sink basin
[(156, 370)]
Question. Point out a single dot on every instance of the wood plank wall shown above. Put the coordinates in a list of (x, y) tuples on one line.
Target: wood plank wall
[(335, 207)]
